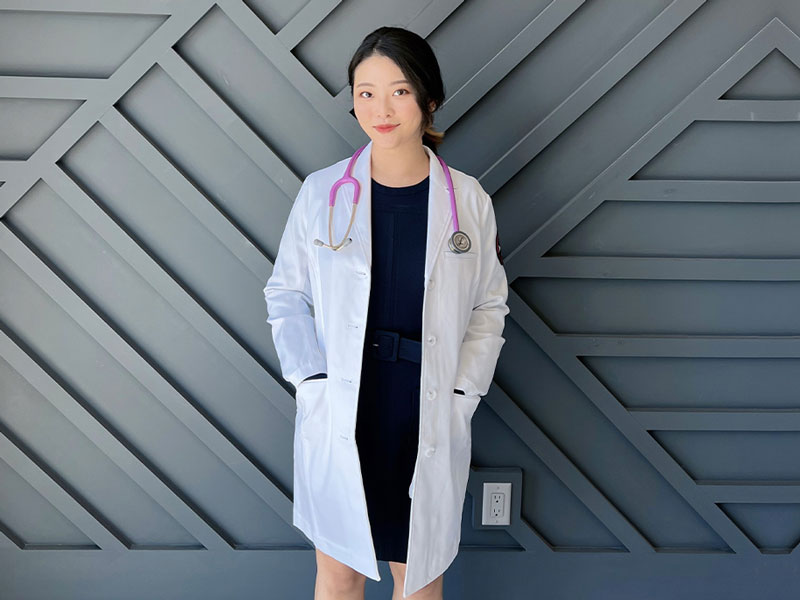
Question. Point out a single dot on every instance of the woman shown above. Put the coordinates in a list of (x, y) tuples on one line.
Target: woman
[(387, 313)]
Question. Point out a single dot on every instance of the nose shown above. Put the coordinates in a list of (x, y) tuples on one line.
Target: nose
[(385, 108)]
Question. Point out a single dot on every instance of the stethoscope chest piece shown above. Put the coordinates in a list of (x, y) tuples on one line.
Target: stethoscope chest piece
[(459, 242)]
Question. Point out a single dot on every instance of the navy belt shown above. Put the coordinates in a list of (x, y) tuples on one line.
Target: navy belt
[(390, 345)]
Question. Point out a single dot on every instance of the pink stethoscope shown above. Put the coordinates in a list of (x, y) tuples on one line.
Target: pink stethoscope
[(459, 241)]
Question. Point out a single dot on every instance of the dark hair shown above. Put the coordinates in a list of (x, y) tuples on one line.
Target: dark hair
[(418, 63)]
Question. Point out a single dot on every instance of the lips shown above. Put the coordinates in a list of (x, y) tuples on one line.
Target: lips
[(385, 128)]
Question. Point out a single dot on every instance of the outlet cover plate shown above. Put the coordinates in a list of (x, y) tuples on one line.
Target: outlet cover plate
[(481, 475), (501, 491)]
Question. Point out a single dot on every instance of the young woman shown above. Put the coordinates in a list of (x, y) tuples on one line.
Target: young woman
[(387, 303)]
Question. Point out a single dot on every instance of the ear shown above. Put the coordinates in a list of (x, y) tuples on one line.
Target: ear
[(432, 105)]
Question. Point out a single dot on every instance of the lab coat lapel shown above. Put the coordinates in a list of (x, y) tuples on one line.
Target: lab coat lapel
[(439, 210)]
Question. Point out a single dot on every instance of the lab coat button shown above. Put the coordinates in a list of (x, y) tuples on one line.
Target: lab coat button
[(430, 283), (431, 394), (430, 452), (362, 273), (431, 339)]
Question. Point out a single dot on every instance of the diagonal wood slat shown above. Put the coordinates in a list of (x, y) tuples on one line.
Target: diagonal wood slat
[(293, 71), (90, 111), (571, 108), (195, 202), (229, 122), (488, 76), (169, 289), (117, 347), (113, 448), (653, 141), (81, 516), (700, 102), (304, 22), (642, 48), (627, 425), (563, 468)]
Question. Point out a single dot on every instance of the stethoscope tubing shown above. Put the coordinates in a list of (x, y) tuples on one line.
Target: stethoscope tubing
[(348, 178)]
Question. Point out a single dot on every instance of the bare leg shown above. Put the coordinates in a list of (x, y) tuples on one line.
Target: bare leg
[(432, 591), (337, 581)]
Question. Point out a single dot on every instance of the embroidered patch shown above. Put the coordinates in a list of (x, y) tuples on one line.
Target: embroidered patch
[(497, 246)]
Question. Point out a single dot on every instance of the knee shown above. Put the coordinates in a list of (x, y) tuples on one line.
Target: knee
[(340, 584), (433, 591), (337, 578)]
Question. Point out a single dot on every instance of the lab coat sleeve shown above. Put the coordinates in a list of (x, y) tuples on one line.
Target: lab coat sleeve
[(483, 339), (288, 294)]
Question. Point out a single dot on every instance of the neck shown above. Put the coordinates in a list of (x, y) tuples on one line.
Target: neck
[(399, 166)]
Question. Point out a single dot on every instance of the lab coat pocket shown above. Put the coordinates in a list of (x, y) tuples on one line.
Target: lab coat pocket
[(461, 446), (464, 406), (312, 407)]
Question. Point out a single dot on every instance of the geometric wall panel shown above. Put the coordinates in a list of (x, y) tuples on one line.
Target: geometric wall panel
[(774, 528), (36, 523), (674, 382), (641, 158), (774, 78), (766, 456), (64, 44), (727, 151), (227, 61), (49, 438), (27, 122), (156, 111), (665, 306), (690, 229)]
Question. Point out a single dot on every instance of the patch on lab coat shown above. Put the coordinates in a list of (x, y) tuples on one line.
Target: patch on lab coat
[(497, 246)]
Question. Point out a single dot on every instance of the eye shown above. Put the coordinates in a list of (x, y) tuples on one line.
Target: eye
[(405, 93)]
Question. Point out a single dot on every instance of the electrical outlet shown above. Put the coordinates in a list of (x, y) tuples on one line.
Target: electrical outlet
[(496, 503)]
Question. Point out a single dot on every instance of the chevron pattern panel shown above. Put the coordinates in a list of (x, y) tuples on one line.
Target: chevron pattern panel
[(642, 159)]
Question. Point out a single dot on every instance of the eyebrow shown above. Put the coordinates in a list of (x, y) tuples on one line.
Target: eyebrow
[(393, 83)]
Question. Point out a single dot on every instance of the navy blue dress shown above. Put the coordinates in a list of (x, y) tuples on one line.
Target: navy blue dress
[(387, 426)]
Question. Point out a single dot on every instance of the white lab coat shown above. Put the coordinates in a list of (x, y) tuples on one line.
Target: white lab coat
[(317, 302)]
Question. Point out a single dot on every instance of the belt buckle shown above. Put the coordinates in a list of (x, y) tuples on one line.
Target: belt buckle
[(381, 341)]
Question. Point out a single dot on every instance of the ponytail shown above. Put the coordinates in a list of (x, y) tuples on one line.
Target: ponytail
[(432, 138)]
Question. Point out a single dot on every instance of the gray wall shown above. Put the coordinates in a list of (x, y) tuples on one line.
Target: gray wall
[(642, 158)]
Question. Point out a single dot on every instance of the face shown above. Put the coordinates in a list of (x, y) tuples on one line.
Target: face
[(383, 96)]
